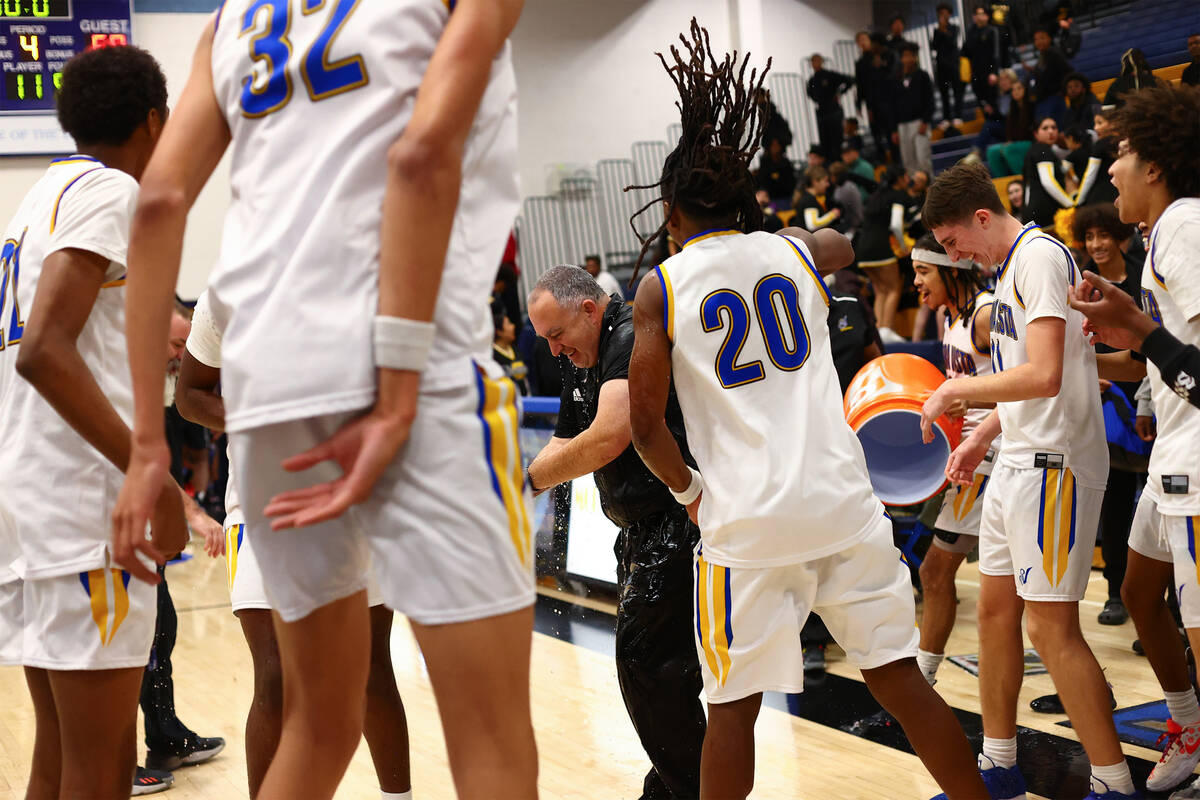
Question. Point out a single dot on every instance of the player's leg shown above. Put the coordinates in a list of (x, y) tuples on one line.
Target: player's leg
[(864, 594), (98, 726), (46, 769), (727, 760), (480, 676), (265, 718), (941, 602), (325, 658), (1147, 580), (385, 728), (886, 280)]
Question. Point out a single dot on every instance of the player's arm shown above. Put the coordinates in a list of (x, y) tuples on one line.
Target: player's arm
[(1041, 376), (196, 394), (649, 388), (830, 250), (605, 439), (186, 154), (49, 360), (966, 458), (1120, 366), (424, 174)]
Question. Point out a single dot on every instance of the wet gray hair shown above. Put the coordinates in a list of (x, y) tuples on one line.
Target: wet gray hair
[(569, 285)]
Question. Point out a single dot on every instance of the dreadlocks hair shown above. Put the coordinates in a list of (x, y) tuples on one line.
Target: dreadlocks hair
[(962, 285), (707, 175)]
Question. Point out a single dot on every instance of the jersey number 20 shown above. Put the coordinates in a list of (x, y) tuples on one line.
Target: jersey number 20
[(776, 302), (271, 50)]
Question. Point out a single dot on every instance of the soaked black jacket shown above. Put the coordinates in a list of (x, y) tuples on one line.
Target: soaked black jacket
[(628, 489)]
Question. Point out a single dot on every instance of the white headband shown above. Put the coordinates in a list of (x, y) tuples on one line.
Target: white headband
[(940, 259)]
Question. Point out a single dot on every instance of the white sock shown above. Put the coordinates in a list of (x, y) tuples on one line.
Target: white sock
[(1112, 779), (1183, 707), (1002, 752), (396, 795), (929, 663)]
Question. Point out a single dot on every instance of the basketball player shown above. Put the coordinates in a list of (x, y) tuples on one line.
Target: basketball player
[(199, 400), (966, 345), (776, 540), (76, 622), (1157, 176), (373, 148), (1033, 556)]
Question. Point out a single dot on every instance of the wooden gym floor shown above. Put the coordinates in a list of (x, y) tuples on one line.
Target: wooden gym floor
[(587, 746)]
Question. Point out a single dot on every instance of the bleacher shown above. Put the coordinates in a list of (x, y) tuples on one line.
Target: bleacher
[(587, 211)]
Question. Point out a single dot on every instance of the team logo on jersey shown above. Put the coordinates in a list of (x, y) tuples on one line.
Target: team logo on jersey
[(844, 324), (1002, 320), (1150, 305), (958, 361), (577, 395), (1184, 385), (1024, 575)]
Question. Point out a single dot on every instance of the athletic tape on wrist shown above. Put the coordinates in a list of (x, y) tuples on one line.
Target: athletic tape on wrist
[(689, 495), (402, 343)]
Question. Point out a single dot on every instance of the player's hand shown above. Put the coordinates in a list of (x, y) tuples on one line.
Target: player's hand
[(363, 448), (1105, 385), (966, 458), (137, 502), (1145, 428), (935, 406), (1112, 316), (204, 525), (958, 409), (168, 525), (693, 509)]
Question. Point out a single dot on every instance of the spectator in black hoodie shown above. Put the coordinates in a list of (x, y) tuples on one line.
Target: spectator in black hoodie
[(984, 48), (944, 42), (1047, 76), (776, 175), (774, 125), (913, 91), (825, 89), (1082, 105), (872, 78)]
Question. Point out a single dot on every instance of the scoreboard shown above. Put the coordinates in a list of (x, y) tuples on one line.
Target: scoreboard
[(37, 38)]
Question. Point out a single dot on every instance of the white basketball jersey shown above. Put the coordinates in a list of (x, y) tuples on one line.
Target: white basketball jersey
[(785, 479), (962, 359), (314, 94), (1171, 296), (58, 491), (204, 343), (1067, 429)]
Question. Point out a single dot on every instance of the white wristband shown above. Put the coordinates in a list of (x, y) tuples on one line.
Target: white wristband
[(402, 343), (689, 495)]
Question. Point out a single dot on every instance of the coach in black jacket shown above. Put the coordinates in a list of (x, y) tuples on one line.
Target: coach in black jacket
[(657, 665)]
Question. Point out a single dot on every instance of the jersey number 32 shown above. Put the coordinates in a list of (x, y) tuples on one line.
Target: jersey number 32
[(269, 87), (776, 302)]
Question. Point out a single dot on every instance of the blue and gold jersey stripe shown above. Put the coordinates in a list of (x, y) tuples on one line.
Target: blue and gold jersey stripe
[(966, 497), (233, 548), (70, 183), (812, 271), (1193, 526), (668, 298), (1056, 522), (708, 234), (497, 411), (714, 617), (100, 584), (115, 283), (1008, 258)]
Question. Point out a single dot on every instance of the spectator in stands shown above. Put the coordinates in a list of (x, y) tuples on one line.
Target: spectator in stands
[(1047, 76), (1009, 158), (1094, 183), (776, 175), (816, 156), (946, 67), (1082, 104), (774, 125), (1015, 191), (1043, 175), (872, 72), (984, 49), (895, 39), (851, 134), (814, 204), (918, 183), (1060, 19), (847, 197), (1079, 152), (914, 112), (1104, 237), (506, 355), (1135, 74), (825, 89), (993, 130), (1191, 74), (883, 224), (860, 169), (771, 221), (607, 282), (853, 338)]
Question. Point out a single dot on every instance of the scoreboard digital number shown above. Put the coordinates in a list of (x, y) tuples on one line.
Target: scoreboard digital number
[(37, 38)]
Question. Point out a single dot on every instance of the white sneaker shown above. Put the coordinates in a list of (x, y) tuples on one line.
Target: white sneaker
[(1178, 760), (889, 336)]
